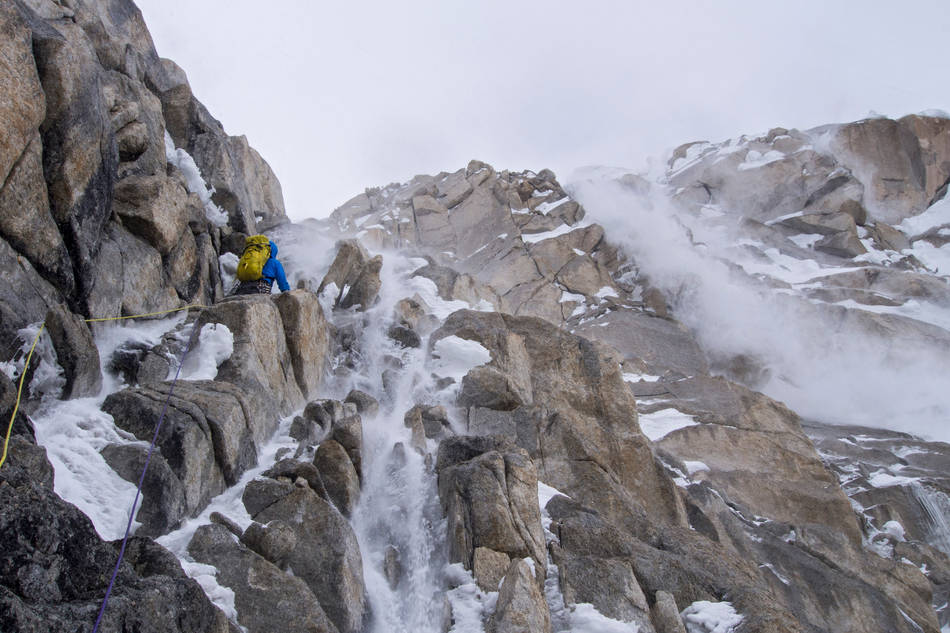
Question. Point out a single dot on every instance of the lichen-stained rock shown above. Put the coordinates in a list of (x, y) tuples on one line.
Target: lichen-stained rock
[(76, 352), (261, 363), (157, 209), (80, 156), (308, 339), (327, 556), (266, 598), (580, 415), (22, 104), (521, 607), (55, 570), (489, 494), (26, 221)]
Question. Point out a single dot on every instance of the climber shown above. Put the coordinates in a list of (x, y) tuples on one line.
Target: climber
[(259, 267)]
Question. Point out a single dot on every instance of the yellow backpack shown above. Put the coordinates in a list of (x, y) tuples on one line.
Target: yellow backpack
[(256, 253)]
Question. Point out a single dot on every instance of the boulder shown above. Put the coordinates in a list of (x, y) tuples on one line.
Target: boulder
[(55, 571), (157, 209), (666, 615), (209, 436), (901, 163), (76, 352), (577, 412), (294, 471), (308, 339), (348, 432), (261, 493), (355, 275), (607, 583), (266, 598), (491, 501), (163, 507), (844, 244), (338, 475), (489, 568), (405, 336), (366, 405), (184, 441), (327, 556), (521, 607), (261, 362), (273, 541)]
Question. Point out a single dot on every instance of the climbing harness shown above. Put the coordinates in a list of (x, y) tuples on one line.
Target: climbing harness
[(151, 448)]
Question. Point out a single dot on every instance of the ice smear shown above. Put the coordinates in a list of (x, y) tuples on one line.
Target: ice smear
[(193, 181), (884, 479), (73, 432), (207, 577), (470, 605), (453, 357), (936, 215), (586, 619), (215, 345), (695, 467), (658, 425), (632, 377), (710, 617), (227, 264), (230, 504), (439, 307), (564, 229)]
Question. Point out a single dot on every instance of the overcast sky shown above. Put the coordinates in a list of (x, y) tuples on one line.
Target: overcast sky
[(338, 96)]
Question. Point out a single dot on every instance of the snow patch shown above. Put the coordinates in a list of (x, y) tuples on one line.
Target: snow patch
[(586, 619), (194, 181), (658, 425), (453, 357), (710, 617), (215, 345)]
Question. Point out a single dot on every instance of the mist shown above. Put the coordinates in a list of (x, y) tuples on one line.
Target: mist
[(829, 363)]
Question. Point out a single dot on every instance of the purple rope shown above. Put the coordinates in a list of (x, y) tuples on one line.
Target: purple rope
[(138, 491)]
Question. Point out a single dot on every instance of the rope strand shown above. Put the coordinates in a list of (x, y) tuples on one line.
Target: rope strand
[(138, 491)]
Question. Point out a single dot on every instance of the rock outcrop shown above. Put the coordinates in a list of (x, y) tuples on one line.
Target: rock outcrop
[(589, 453)]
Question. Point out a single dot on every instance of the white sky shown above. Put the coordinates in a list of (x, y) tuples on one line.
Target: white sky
[(339, 96)]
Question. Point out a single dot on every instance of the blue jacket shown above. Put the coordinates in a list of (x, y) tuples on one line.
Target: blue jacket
[(274, 271)]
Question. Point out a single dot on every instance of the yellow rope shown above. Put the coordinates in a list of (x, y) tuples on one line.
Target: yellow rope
[(6, 442), (148, 314), (19, 394)]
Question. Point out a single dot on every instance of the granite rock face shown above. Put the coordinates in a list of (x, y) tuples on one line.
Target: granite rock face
[(602, 458)]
